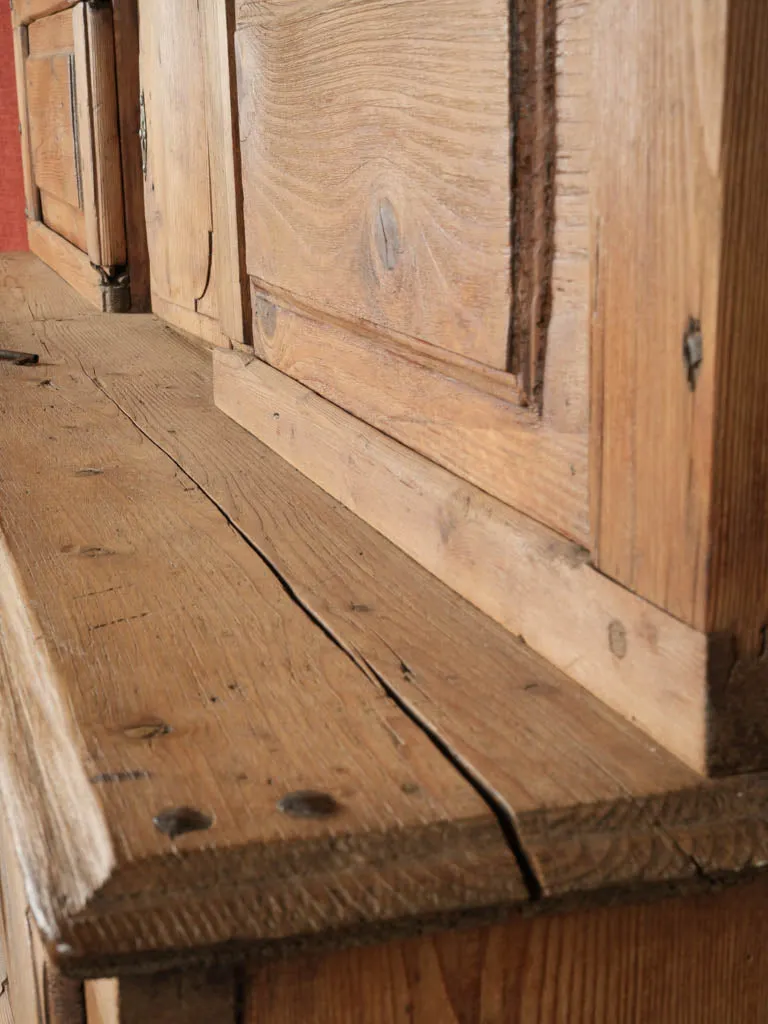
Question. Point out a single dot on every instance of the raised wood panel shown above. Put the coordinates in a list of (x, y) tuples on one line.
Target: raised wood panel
[(695, 960), (51, 102), (376, 171)]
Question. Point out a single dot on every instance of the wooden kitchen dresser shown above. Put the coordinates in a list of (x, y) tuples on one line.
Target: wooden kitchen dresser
[(441, 698)]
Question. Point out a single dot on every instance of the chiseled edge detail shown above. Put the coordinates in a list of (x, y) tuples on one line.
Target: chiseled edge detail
[(54, 818)]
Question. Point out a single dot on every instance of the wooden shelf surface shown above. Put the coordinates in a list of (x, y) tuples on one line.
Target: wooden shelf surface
[(187, 622)]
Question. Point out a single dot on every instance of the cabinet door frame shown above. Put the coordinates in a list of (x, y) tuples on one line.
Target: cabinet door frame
[(109, 268)]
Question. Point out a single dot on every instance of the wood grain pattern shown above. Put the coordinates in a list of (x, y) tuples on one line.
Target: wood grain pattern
[(20, 54), (51, 35), (85, 100), (595, 804), (486, 439), (75, 267), (177, 191), (125, 21), (376, 172), (50, 93), (32, 291), (108, 184), (65, 220), (698, 960), (25, 11), (217, 25), (658, 267), (639, 660), (682, 123), (230, 744)]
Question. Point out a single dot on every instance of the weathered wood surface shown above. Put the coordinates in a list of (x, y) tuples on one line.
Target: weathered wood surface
[(123, 550), (681, 366), (408, 344), (376, 172), (588, 803), (699, 960), (451, 416), (541, 587)]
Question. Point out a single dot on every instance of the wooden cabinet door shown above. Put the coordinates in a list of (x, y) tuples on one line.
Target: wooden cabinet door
[(73, 131), (190, 191), (403, 180)]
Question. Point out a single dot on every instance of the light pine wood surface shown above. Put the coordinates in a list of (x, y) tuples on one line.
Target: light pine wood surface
[(639, 660), (376, 172)]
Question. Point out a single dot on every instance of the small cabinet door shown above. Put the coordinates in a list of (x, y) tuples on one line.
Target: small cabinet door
[(74, 145)]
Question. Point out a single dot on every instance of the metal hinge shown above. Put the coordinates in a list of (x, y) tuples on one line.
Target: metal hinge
[(143, 134)]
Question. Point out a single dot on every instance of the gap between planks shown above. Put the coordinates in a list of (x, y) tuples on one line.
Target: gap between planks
[(497, 806)]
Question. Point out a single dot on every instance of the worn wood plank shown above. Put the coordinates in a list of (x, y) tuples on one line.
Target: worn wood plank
[(636, 658), (20, 54), (65, 220), (284, 710), (125, 21), (682, 122), (108, 185), (50, 93), (32, 291), (217, 26), (696, 960), (485, 438), (388, 202)]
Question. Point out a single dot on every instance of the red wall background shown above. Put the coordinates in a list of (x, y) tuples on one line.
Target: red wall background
[(13, 232)]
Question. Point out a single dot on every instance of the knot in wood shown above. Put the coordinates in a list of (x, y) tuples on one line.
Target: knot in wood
[(388, 235)]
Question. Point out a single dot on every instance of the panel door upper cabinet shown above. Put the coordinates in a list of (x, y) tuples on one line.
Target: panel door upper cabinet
[(73, 131), (417, 248)]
